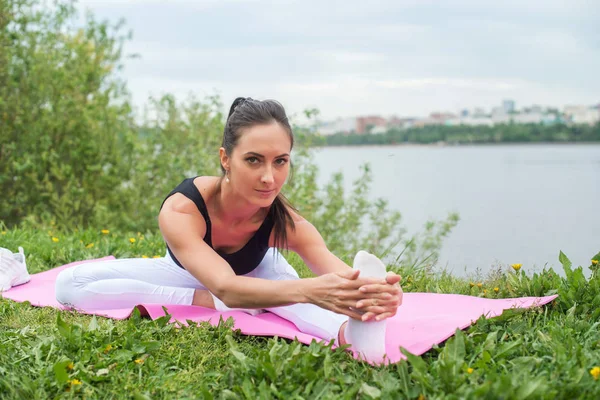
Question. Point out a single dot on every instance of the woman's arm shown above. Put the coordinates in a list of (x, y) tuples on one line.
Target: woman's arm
[(308, 243), (183, 228)]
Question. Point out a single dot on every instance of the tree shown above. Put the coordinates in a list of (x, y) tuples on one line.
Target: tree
[(65, 133)]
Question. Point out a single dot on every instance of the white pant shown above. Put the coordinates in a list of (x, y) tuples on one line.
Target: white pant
[(125, 283)]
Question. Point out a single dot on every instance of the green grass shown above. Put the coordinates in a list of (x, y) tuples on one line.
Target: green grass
[(545, 352)]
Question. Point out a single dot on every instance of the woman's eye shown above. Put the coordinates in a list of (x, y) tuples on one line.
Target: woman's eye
[(252, 160), (281, 161)]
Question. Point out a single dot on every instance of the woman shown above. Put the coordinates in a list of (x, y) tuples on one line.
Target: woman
[(222, 235)]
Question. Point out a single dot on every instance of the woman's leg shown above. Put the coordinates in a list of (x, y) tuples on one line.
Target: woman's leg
[(125, 283), (308, 318)]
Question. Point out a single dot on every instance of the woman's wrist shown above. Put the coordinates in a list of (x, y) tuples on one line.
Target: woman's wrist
[(304, 290)]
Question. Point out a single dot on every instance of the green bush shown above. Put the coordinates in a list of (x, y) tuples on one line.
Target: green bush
[(65, 136)]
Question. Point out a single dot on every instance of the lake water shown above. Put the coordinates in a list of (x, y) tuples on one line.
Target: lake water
[(517, 203)]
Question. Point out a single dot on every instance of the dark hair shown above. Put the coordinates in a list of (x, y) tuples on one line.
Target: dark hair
[(245, 113)]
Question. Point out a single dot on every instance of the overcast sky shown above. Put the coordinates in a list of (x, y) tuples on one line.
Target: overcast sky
[(348, 58)]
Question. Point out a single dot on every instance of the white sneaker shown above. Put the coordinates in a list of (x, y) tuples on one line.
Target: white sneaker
[(13, 269)]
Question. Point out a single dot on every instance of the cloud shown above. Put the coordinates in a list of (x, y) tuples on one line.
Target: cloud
[(347, 56)]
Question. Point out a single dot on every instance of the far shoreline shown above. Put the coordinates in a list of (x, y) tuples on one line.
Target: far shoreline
[(439, 145)]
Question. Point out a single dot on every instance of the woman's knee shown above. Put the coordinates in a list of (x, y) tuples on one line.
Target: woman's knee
[(64, 288), (70, 284), (274, 266)]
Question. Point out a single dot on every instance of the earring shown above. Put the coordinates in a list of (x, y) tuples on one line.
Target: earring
[(227, 176)]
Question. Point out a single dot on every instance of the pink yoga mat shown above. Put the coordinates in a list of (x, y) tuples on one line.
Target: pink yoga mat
[(423, 320)]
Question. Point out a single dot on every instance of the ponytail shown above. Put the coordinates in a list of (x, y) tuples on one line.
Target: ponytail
[(281, 217)]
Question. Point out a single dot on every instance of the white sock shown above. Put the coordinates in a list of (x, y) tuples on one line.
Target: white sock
[(367, 338)]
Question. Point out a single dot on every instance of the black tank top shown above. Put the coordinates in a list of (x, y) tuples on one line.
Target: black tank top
[(242, 261)]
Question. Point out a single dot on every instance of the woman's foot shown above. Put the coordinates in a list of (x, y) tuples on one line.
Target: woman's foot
[(203, 298)]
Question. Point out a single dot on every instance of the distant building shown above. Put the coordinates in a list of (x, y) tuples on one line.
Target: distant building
[(479, 112), (435, 118), (536, 109), (340, 125), (582, 114), (502, 118), (508, 106), (367, 124), (499, 111), (529, 118), (552, 118), (400, 123), (470, 121)]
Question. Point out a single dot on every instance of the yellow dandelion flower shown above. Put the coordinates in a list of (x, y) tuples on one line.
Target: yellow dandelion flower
[(479, 285), (470, 370), (107, 348), (105, 231), (139, 361), (145, 256), (70, 366), (155, 256), (132, 240), (4, 232), (594, 262), (74, 382), (484, 292), (496, 290), (595, 372), (516, 267), (89, 246), (471, 284), (54, 239), (421, 397)]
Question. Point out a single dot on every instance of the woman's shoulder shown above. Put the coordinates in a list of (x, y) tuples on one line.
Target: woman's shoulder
[(207, 186), (180, 203), (295, 214)]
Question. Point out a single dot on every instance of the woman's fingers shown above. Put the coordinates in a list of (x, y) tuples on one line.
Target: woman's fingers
[(381, 300), (371, 316), (349, 312), (380, 288), (392, 278)]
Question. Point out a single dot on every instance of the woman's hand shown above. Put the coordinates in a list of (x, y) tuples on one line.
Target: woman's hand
[(339, 292), (382, 298)]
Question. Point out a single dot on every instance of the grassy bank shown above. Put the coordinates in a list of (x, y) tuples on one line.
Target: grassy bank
[(550, 352)]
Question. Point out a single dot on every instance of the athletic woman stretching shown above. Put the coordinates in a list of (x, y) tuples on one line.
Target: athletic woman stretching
[(223, 235)]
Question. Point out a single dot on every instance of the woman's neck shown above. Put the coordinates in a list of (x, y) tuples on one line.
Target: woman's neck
[(233, 209)]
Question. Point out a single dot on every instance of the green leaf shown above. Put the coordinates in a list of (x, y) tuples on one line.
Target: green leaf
[(456, 347), (417, 362), (63, 327), (60, 371), (490, 341), (371, 391), (566, 264), (403, 376), (506, 348), (531, 387), (93, 326)]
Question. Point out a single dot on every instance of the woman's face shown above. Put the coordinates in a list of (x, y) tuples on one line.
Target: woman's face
[(260, 163)]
